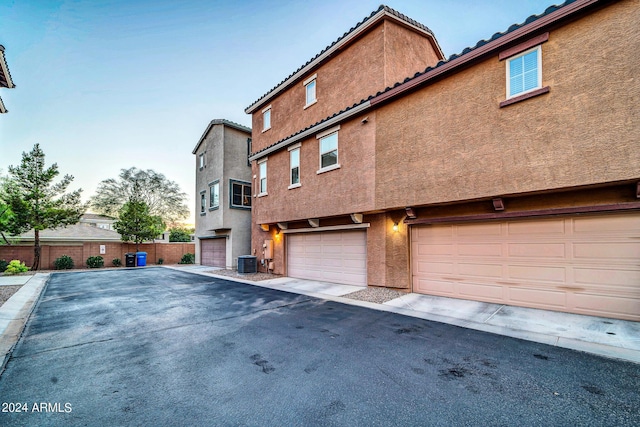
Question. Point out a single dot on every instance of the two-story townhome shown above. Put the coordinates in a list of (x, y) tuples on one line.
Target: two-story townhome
[(509, 173), (223, 190), (5, 77)]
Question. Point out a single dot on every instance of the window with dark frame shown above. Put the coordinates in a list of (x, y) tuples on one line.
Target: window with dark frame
[(240, 194), (214, 195), (203, 202)]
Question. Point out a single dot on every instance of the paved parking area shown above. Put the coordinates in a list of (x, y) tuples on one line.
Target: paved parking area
[(163, 347)]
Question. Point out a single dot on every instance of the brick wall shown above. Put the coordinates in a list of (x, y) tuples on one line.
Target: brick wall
[(171, 253)]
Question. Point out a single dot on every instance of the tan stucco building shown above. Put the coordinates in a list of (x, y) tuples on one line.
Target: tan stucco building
[(507, 173)]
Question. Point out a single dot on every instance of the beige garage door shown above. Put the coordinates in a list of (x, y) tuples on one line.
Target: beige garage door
[(330, 256), (213, 252), (587, 264)]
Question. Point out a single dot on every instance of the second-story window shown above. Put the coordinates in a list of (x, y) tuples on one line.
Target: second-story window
[(266, 118), (263, 177), (203, 203), (310, 91), (214, 195), (294, 166), (328, 149), (201, 161), (524, 72)]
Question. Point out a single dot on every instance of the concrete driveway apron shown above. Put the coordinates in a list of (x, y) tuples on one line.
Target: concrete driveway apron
[(161, 347)]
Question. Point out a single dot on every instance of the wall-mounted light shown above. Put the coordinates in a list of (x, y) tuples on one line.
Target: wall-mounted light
[(395, 226)]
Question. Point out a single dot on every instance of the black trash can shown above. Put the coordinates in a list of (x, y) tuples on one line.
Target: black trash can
[(247, 264), (130, 259)]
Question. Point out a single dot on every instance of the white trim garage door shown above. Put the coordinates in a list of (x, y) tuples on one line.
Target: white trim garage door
[(329, 256), (587, 264), (213, 252)]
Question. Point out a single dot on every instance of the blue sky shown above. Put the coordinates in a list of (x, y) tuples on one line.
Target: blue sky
[(109, 84)]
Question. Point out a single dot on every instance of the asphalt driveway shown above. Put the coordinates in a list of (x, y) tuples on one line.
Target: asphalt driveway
[(162, 347)]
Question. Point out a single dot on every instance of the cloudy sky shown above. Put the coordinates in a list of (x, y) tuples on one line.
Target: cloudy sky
[(109, 84)]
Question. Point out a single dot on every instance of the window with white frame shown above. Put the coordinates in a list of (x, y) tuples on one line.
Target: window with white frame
[(262, 170), (201, 161), (214, 195), (294, 166), (203, 203), (240, 194), (266, 118), (328, 150), (310, 91), (524, 72)]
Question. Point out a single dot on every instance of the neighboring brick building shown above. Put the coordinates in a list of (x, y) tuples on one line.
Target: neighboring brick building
[(223, 189), (508, 173)]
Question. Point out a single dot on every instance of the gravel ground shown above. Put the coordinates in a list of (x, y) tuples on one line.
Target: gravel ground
[(256, 277), (377, 295), (7, 291)]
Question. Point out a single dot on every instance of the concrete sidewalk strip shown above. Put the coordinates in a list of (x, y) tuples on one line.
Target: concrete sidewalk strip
[(15, 312), (14, 280)]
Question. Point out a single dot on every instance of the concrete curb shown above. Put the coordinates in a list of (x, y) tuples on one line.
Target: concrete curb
[(598, 349), (16, 311)]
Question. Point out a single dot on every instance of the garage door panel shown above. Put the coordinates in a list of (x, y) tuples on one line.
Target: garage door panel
[(483, 292), (537, 297), (213, 252), (490, 271), (480, 250), (587, 264), (537, 273), (488, 229), (537, 250), (433, 267), (613, 250), (436, 287), (606, 305), (552, 227), (337, 256), (606, 277)]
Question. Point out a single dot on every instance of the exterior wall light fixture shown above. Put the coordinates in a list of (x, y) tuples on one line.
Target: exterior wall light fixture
[(395, 226)]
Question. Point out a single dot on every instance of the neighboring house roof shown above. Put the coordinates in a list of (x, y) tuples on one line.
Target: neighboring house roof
[(483, 48), (75, 232), (383, 12), (5, 77), (92, 216), (224, 122)]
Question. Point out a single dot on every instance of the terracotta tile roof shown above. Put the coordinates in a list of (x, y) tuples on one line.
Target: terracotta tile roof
[(381, 11), (372, 99)]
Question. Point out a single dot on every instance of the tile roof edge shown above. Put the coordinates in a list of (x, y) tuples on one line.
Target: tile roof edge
[(552, 14), (4, 69), (363, 25)]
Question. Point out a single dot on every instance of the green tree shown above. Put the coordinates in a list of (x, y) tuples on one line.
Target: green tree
[(179, 234), (136, 224), (36, 202), (163, 196), (6, 216)]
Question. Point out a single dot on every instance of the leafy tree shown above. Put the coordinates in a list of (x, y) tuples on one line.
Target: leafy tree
[(6, 216), (136, 224), (179, 234), (163, 196), (36, 202)]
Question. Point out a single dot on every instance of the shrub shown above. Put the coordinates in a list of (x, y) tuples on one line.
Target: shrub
[(3, 265), (16, 267), (116, 262), (188, 259), (65, 262), (160, 261), (95, 262)]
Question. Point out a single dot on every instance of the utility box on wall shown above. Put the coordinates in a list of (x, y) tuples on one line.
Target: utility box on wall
[(267, 249)]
